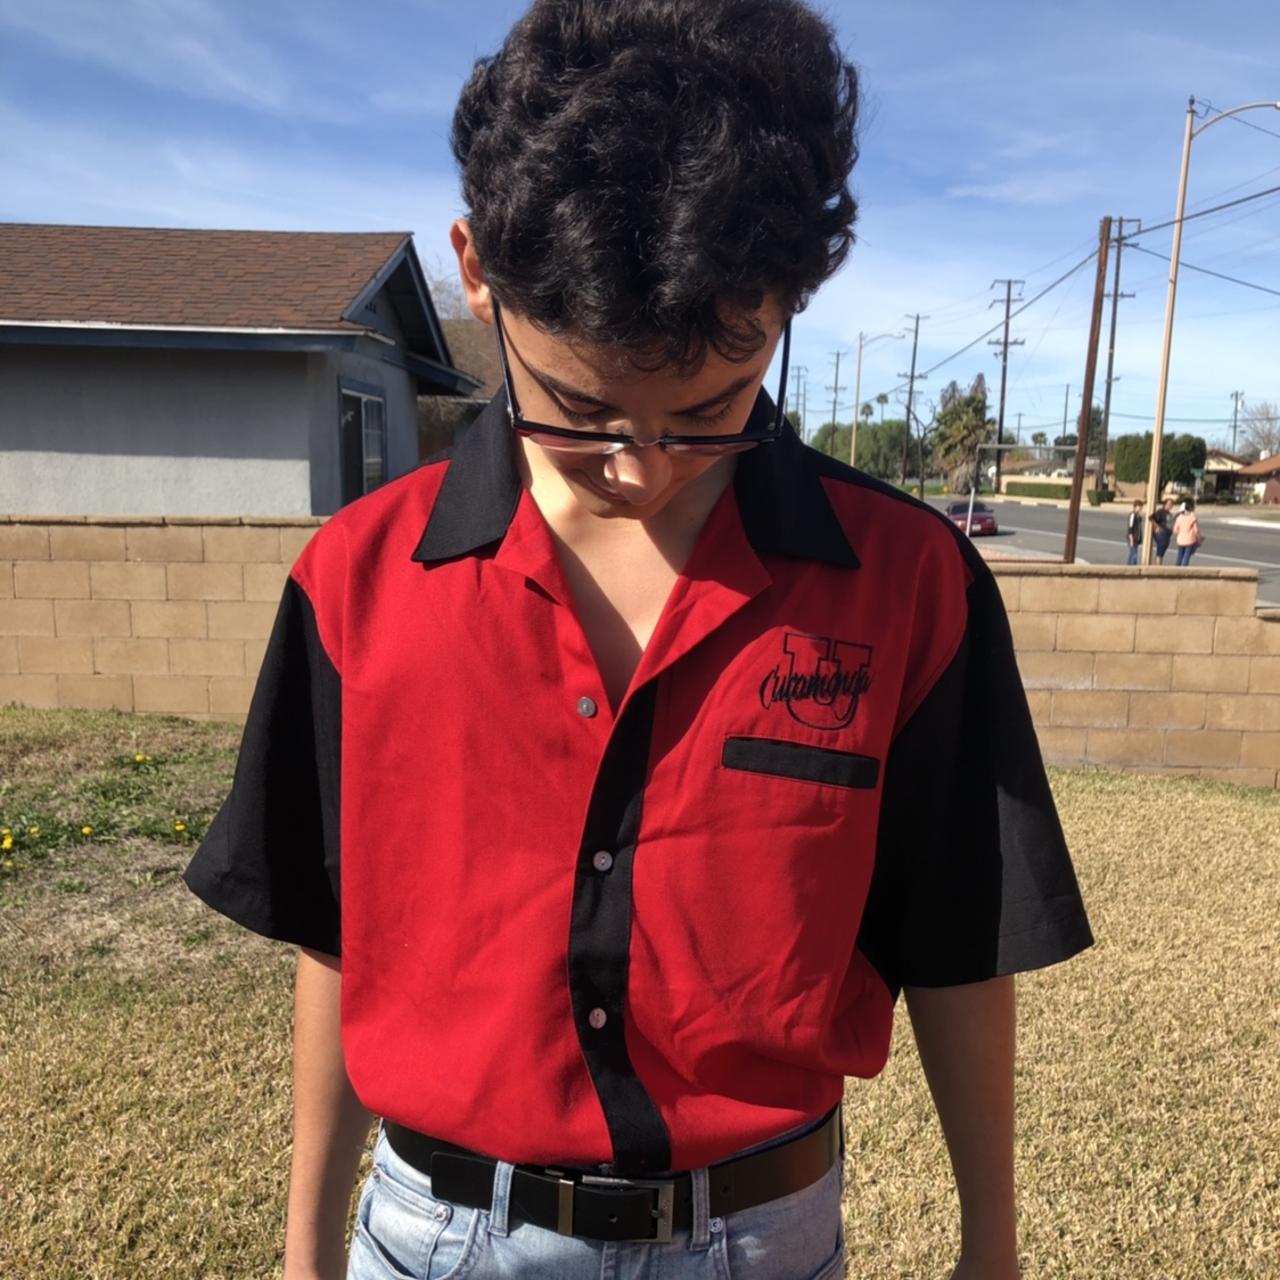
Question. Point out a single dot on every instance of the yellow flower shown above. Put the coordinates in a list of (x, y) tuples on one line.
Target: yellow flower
[(8, 864), (33, 831), (4, 831), (179, 826), (86, 831), (7, 843), (139, 758)]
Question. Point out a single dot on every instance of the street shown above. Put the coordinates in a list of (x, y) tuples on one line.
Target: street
[(1041, 529)]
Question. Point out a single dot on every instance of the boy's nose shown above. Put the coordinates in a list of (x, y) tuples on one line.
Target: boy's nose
[(639, 475)]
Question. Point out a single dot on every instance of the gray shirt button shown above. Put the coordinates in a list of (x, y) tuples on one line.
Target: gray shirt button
[(586, 707), (597, 1018), (602, 861)]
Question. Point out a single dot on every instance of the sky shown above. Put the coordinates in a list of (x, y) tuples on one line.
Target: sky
[(994, 137)]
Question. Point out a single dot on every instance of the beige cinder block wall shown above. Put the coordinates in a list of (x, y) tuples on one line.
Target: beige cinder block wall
[(1166, 670), (1154, 670), (166, 615)]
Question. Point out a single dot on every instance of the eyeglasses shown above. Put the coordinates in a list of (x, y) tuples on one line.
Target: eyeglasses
[(580, 440)]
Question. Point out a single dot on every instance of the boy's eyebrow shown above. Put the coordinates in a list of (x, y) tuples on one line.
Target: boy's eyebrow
[(554, 384)]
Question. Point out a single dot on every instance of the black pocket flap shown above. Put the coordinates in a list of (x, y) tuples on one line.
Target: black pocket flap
[(797, 760)]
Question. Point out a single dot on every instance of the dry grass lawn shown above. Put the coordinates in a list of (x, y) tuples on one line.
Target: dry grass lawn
[(145, 1041)]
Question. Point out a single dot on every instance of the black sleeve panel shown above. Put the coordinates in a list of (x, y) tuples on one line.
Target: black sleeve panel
[(270, 857), (972, 876)]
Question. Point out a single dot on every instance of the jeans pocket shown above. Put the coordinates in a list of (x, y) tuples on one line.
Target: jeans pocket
[(796, 1237), (403, 1232)]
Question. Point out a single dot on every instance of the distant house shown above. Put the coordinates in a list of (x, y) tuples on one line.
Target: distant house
[(1265, 476), (1220, 471), (174, 372)]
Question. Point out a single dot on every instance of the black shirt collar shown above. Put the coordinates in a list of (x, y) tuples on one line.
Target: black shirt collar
[(784, 507)]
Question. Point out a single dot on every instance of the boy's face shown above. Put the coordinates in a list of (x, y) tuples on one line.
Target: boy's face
[(564, 383)]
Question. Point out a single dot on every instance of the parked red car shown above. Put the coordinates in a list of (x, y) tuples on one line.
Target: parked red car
[(984, 519)]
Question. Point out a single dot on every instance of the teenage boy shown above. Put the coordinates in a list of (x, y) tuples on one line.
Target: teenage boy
[(1133, 531), (616, 774)]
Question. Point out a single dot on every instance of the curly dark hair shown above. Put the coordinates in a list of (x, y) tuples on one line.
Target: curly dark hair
[(638, 173)]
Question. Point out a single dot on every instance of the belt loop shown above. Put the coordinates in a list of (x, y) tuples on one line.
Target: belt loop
[(700, 1232), (498, 1213)]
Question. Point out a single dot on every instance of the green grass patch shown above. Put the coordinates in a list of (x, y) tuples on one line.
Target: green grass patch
[(146, 1046)]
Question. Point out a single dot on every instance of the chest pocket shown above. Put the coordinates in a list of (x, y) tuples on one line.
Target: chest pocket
[(783, 759)]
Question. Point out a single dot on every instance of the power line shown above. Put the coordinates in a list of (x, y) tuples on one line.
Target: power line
[(1146, 417), (1204, 213), (1187, 266)]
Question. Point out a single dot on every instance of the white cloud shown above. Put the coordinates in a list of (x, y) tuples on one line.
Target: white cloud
[(188, 45), (1028, 188), (98, 175)]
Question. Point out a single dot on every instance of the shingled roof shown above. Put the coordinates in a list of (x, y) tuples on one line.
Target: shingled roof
[(199, 279)]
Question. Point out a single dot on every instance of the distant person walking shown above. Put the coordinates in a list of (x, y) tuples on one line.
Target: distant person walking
[(1186, 532), (1162, 528), (1134, 532)]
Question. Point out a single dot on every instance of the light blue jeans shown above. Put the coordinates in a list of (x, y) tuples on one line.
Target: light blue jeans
[(403, 1232)]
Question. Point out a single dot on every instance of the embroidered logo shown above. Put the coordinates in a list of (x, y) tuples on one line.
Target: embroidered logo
[(821, 681)]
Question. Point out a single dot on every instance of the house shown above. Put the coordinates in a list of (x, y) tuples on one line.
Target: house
[(1220, 471), (227, 373), (1265, 476)]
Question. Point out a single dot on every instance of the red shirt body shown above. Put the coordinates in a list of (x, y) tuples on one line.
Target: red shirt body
[(649, 937)]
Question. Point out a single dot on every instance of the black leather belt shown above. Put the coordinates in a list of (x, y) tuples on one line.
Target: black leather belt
[(575, 1202)]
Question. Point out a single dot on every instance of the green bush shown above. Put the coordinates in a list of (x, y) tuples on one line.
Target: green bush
[(1095, 498), (1019, 489)]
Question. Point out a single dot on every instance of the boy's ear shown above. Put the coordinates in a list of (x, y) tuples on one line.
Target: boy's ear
[(470, 272)]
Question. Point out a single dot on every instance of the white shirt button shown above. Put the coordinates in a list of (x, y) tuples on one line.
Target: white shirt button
[(597, 1018), (586, 707), (716, 1225), (602, 861)]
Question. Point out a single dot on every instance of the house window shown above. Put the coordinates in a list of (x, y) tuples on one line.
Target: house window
[(364, 443)]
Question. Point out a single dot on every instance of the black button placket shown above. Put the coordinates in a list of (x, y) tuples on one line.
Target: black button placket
[(600, 941)]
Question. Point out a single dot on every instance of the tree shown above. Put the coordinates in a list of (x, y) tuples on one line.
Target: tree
[(833, 439), (867, 411), (882, 399), (879, 447), (1093, 448), (1261, 427), (1039, 439), (1133, 458), (1179, 456), (962, 426)]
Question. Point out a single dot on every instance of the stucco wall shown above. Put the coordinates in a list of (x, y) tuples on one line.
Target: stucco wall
[(119, 431), (1151, 670)]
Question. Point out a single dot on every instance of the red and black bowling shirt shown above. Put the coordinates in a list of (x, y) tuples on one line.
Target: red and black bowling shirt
[(647, 937)]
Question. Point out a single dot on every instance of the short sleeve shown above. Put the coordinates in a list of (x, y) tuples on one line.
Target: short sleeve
[(972, 878), (270, 858)]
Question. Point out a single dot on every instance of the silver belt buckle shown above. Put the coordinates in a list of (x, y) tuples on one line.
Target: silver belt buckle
[(664, 1214)]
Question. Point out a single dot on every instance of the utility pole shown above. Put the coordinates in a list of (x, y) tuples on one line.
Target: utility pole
[(1004, 344), (1086, 408), (1066, 408), (1115, 295), (834, 388), (911, 386), (1019, 428), (802, 387), (1237, 397)]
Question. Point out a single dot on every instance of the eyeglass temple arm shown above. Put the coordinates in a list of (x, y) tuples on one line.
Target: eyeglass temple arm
[(513, 409)]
